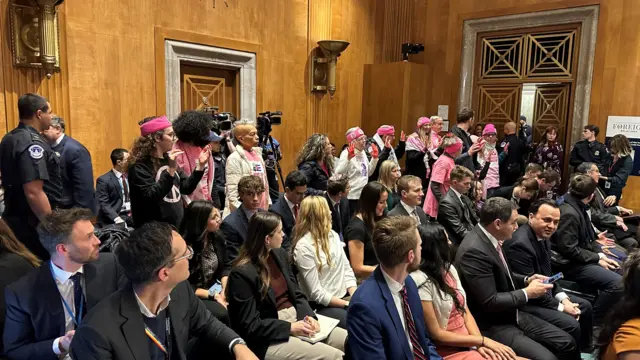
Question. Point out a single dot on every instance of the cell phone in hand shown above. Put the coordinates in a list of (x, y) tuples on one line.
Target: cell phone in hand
[(215, 289), (553, 278)]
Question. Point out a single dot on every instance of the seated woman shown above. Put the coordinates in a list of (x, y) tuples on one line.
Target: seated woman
[(324, 271), (448, 320), (266, 306), (389, 175), (210, 265), (620, 335), (372, 203)]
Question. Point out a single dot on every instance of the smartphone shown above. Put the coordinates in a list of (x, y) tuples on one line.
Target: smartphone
[(215, 289), (554, 278)]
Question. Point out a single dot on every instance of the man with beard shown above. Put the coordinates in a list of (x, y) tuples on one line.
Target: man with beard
[(46, 306), (387, 304)]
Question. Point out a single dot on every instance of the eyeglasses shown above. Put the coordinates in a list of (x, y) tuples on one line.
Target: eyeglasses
[(188, 255)]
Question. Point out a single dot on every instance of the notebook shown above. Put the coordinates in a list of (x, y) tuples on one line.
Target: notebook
[(327, 325)]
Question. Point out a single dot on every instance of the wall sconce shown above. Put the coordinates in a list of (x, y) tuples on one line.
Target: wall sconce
[(35, 40), (323, 68)]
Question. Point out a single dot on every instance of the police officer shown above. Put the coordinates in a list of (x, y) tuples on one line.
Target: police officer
[(511, 151), (589, 149), (30, 172)]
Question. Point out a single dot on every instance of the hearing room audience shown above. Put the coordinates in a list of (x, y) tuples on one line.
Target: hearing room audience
[(550, 153), (389, 175), (469, 150), (439, 184), (419, 151), (383, 142), (410, 191), (336, 195), (113, 192), (456, 213), (316, 163), (618, 168), (288, 204), (488, 160)]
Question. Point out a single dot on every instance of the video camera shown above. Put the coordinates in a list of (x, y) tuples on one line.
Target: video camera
[(220, 121), (265, 120)]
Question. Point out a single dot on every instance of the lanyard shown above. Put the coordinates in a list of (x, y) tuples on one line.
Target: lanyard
[(77, 317), (165, 349), (612, 165)]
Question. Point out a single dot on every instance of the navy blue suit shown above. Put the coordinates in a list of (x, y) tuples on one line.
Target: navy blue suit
[(281, 207), (374, 325), (235, 228), (77, 175)]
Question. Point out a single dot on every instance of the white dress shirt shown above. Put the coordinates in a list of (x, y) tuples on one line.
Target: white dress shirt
[(65, 288), (291, 205), (411, 210), (395, 288), (57, 142)]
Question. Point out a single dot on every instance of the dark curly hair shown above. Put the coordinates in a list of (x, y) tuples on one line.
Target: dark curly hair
[(193, 127)]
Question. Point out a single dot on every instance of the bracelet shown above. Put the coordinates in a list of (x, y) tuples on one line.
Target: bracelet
[(482, 341)]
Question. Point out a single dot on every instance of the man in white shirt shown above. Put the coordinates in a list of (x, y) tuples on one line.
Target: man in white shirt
[(112, 190), (288, 204), (410, 189), (46, 306)]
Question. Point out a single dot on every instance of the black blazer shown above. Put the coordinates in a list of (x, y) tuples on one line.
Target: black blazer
[(196, 277), (77, 174), (340, 221), (618, 174), (256, 318), (317, 179), (12, 268), (110, 198), (602, 216), (399, 210), (35, 315), (525, 255), (575, 236), (281, 208), (456, 216), (505, 192), (490, 295), (234, 228), (115, 329)]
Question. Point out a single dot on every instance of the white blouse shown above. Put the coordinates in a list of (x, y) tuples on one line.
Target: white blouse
[(357, 170), (334, 280), (443, 302)]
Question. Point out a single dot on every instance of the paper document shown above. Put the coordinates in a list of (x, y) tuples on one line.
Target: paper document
[(327, 325)]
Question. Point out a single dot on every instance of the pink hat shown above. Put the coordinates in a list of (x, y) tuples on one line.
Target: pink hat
[(386, 130), (489, 129), (153, 125), (354, 133), (423, 120), (454, 148)]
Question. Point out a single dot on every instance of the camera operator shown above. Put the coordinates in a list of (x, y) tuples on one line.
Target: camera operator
[(219, 175), (270, 150)]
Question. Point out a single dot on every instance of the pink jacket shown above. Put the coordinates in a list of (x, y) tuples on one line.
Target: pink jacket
[(188, 162)]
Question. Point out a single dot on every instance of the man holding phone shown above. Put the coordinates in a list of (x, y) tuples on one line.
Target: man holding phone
[(528, 254)]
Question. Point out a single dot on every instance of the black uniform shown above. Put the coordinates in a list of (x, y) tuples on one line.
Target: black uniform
[(25, 157), (585, 151), (513, 164)]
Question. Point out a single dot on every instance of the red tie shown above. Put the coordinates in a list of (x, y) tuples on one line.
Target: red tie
[(418, 353), (295, 211)]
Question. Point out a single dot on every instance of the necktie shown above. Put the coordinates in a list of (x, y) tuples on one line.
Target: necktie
[(418, 353), (545, 264), (415, 216), (295, 211), (125, 187), (78, 297), (506, 267)]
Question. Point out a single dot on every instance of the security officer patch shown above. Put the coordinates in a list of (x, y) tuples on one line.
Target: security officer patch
[(36, 152)]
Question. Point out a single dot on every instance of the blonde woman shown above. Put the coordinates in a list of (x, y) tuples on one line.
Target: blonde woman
[(324, 271), (389, 175)]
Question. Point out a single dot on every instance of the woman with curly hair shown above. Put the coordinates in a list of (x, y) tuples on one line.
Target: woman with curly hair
[(316, 163), (156, 183), (193, 129)]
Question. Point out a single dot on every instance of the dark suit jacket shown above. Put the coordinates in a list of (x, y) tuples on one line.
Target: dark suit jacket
[(12, 268), (602, 216), (618, 174), (525, 255), (235, 227), (77, 174), (339, 222), (115, 329), (256, 318), (456, 216), (505, 192), (35, 315), (575, 237), (490, 295), (109, 195), (399, 210), (281, 208), (374, 326), (466, 160)]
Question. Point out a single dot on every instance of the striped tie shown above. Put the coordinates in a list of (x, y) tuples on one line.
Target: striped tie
[(418, 354)]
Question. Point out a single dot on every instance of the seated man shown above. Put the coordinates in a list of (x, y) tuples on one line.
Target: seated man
[(385, 319), (288, 204), (528, 254), (45, 307), (496, 296), (577, 242), (456, 212), (520, 194), (410, 190), (336, 195), (155, 315), (112, 190), (235, 226)]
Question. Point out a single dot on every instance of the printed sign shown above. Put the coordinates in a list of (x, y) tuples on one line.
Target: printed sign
[(628, 126)]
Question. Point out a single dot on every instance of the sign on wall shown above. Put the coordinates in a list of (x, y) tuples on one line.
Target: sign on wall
[(628, 126)]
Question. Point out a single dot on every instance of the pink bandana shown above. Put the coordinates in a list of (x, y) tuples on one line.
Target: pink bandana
[(386, 130), (356, 133), (157, 124)]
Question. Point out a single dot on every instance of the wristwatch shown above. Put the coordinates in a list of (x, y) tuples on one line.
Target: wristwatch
[(237, 341)]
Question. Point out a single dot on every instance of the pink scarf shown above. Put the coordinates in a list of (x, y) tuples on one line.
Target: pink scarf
[(187, 162)]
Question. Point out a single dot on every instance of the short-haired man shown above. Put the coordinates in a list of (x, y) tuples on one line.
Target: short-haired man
[(385, 319), (112, 190), (525, 133), (455, 211), (30, 172), (578, 243), (512, 152), (336, 195), (288, 204), (75, 167), (410, 190), (589, 149), (532, 170), (155, 315), (45, 307), (496, 296), (463, 125), (235, 226), (528, 253)]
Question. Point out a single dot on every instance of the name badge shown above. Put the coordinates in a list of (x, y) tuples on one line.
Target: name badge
[(596, 153), (607, 185), (126, 206)]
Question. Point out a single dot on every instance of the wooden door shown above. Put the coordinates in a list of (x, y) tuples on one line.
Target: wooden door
[(551, 108), (498, 105), (220, 87)]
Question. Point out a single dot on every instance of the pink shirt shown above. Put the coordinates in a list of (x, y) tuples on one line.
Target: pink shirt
[(440, 174), (258, 170)]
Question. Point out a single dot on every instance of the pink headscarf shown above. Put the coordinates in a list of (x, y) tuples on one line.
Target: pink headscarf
[(423, 120), (454, 148), (354, 134), (386, 130), (153, 125)]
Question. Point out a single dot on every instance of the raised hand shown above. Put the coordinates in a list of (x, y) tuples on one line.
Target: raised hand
[(351, 151), (387, 143), (403, 138), (375, 152), (173, 155), (203, 158)]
